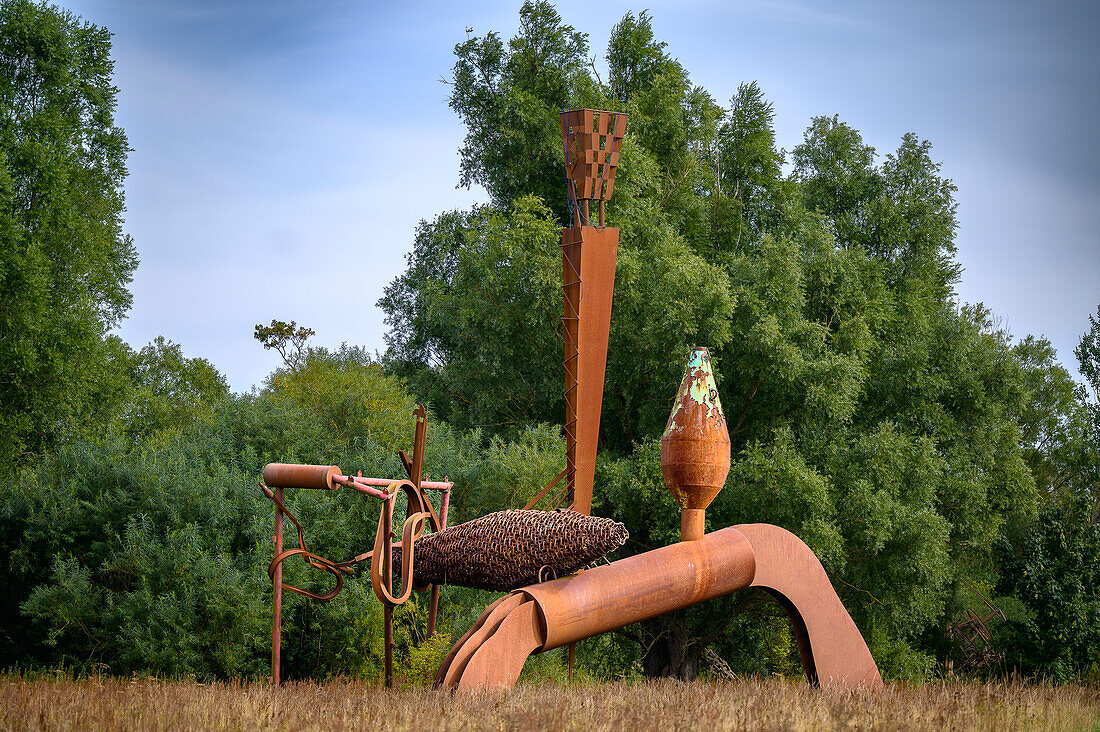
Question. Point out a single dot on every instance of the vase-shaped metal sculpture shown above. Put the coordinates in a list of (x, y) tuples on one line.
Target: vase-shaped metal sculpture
[(695, 447)]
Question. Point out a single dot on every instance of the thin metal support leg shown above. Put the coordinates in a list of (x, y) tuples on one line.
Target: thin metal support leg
[(277, 623)]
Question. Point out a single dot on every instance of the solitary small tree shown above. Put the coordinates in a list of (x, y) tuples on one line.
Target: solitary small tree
[(288, 340)]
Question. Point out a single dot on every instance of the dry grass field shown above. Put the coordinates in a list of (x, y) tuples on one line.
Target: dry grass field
[(112, 704)]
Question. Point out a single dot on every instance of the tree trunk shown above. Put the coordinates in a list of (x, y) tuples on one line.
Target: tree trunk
[(673, 653)]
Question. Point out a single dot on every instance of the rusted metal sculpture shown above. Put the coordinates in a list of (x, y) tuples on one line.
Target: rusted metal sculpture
[(500, 551), (974, 639), (552, 614), (695, 460), (504, 549), (592, 140), (277, 477), (509, 549), (695, 447)]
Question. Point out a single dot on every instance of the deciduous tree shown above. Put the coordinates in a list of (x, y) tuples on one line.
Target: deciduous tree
[(65, 262)]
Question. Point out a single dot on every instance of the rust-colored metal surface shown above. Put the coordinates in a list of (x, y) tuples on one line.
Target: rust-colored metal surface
[(337, 569), (448, 660), (974, 639), (670, 578), (452, 668), (277, 600), (695, 460), (381, 580), (496, 664), (642, 586), (504, 550), (588, 256), (833, 651), (282, 475), (591, 140), (695, 446)]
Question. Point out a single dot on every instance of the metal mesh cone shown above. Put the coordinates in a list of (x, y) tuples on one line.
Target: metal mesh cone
[(508, 549)]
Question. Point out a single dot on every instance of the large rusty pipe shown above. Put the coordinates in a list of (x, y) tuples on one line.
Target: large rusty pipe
[(283, 475), (643, 586), (330, 477), (550, 615)]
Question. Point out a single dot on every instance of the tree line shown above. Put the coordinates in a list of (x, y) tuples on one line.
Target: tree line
[(931, 459)]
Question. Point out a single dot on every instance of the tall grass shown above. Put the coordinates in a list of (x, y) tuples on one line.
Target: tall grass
[(102, 703)]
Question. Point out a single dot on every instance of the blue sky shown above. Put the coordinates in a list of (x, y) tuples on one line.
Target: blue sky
[(283, 152)]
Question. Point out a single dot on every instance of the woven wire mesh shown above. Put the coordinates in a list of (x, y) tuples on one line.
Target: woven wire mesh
[(510, 549)]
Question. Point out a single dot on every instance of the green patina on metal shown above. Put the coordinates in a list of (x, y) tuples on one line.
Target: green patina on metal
[(698, 386)]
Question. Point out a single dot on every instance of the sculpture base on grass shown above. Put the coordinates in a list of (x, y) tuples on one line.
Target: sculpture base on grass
[(553, 614)]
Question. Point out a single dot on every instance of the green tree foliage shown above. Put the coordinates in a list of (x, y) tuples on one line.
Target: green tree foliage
[(64, 262), (1088, 355), (748, 170), (140, 560), (1052, 566), (510, 97), (634, 58), (1088, 458), (168, 391), (288, 340), (475, 320), (1055, 421), (476, 307), (148, 554), (838, 177)]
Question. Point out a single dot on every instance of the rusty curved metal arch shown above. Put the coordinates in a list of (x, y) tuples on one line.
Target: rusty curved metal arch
[(553, 614), (832, 649)]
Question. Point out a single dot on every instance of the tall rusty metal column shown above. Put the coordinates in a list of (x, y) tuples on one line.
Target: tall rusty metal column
[(591, 140)]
